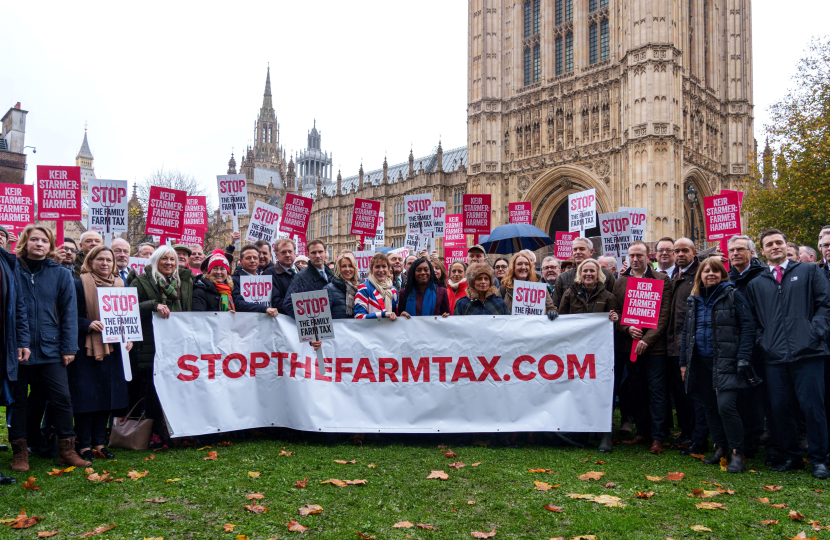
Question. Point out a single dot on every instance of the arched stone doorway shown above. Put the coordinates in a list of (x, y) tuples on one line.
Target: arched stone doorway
[(559, 222), (695, 228)]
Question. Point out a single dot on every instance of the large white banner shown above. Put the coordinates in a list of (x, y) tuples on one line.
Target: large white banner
[(218, 372)]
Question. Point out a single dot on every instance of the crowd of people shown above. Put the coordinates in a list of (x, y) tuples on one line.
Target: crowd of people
[(739, 354)]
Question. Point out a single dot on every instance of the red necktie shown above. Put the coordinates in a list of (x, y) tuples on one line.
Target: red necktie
[(779, 274)]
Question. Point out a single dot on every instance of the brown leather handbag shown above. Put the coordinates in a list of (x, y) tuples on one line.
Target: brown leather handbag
[(131, 433)]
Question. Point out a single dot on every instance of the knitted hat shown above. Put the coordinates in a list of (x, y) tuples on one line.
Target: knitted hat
[(217, 258), (4, 232)]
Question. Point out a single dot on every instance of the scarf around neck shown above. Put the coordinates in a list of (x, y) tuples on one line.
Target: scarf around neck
[(169, 292), (428, 306), (94, 343), (454, 286), (385, 289), (225, 296), (351, 290)]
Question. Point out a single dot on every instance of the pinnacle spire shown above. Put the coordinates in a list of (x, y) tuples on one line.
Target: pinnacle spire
[(266, 100)]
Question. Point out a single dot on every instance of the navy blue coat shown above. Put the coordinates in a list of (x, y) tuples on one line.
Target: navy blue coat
[(306, 281), (243, 306), (282, 280), (53, 315), (15, 323), (94, 385), (337, 299)]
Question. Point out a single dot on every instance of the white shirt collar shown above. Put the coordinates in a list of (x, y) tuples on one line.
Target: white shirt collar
[(782, 265), (668, 271)]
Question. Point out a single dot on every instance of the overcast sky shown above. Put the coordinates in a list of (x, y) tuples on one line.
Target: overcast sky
[(165, 85)]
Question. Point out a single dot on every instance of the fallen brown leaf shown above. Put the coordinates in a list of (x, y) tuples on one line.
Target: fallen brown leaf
[(591, 475), (803, 536), (818, 527), (780, 505), (605, 500), (254, 474), (701, 457), (702, 493), (771, 488), (252, 496), (335, 481), (642, 495), (225, 443), (539, 470), (157, 500), (97, 530), (213, 455), (440, 475), (310, 509), (152, 457), (726, 491), (135, 475), (552, 508), (344, 462), (541, 486), (403, 525), (710, 506), (609, 485), (426, 526), (293, 526), (450, 454), (228, 527), (700, 528), (795, 516), (584, 537), (654, 478), (355, 482), (89, 470), (457, 465), (23, 521), (46, 534), (769, 522), (255, 508), (442, 446), (104, 478), (599, 463), (723, 463), (30, 484), (479, 463), (675, 476), (364, 535), (371, 466), (819, 490), (301, 483), (479, 534), (764, 500), (284, 453), (471, 502)]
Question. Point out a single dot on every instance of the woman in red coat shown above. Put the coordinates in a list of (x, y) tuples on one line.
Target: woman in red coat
[(456, 283)]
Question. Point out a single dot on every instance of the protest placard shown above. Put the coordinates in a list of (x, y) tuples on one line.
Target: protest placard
[(107, 206), (264, 223), (454, 254), (563, 249), (403, 252), (641, 307), (529, 298), (59, 195), (454, 231), (380, 235), (295, 214), (582, 211), (363, 259), (439, 216), (638, 221), (418, 210), (476, 212), (165, 212), (118, 311), (520, 213), (233, 195), (410, 241), (17, 206), (256, 289), (313, 317), (195, 212), (192, 237), (723, 217), (365, 217), (138, 264), (615, 229), (300, 240)]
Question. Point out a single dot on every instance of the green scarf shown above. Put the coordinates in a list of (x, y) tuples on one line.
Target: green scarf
[(169, 292)]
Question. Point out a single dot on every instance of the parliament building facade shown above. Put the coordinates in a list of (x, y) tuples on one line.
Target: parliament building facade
[(638, 99)]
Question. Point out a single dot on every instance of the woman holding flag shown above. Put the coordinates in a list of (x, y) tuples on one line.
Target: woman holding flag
[(96, 377), (376, 297), (421, 295)]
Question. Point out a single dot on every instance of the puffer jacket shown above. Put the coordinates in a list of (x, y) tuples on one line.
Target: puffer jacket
[(51, 310), (143, 352), (337, 291), (681, 285), (15, 329), (472, 304), (791, 318), (577, 300), (566, 279), (719, 325)]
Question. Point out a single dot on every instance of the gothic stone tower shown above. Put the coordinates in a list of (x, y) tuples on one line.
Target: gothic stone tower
[(636, 98)]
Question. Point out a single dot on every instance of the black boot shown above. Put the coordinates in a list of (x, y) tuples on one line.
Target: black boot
[(716, 457), (4, 480), (737, 464)]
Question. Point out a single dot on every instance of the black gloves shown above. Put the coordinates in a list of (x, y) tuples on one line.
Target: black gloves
[(746, 371), (552, 315)]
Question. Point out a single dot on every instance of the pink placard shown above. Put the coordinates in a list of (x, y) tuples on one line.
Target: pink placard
[(722, 215), (454, 231), (476, 212), (365, 217), (17, 206), (59, 193), (192, 237), (195, 212), (520, 213), (301, 242), (165, 213), (452, 255), (642, 302), (295, 214), (564, 245)]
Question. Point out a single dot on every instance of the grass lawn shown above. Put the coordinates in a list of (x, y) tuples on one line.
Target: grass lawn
[(211, 493)]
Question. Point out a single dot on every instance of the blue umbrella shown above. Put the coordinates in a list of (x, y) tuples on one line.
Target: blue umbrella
[(513, 238), (383, 249)]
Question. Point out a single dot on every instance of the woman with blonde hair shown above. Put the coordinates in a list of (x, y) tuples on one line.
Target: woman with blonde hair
[(343, 286), (521, 269), (96, 377)]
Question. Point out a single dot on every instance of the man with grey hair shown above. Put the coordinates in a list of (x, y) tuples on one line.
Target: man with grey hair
[(824, 247), (145, 249), (744, 266), (583, 249), (121, 250), (609, 263), (806, 254), (551, 268), (89, 240)]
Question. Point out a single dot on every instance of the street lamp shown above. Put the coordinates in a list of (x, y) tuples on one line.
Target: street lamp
[(691, 196)]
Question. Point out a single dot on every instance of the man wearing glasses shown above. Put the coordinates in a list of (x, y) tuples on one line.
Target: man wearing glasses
[(824, 247), (550, 271), (70, 249), (665, 256)]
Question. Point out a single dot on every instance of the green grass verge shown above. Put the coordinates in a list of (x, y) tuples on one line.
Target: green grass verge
[(210, 494)]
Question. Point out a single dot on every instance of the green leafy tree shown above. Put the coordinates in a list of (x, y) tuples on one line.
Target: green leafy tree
[(792, 191)]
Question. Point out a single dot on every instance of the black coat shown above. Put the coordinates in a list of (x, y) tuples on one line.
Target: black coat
[(337, 299), (205, 295), (306, 281), (742, 280), (94, 385), (791, 318), (15, 323), (244, 306), (282, 280), (732, 336), (681, 286)]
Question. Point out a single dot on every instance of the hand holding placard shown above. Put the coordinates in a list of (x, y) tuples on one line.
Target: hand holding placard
[(314, 323), (641, 308)]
